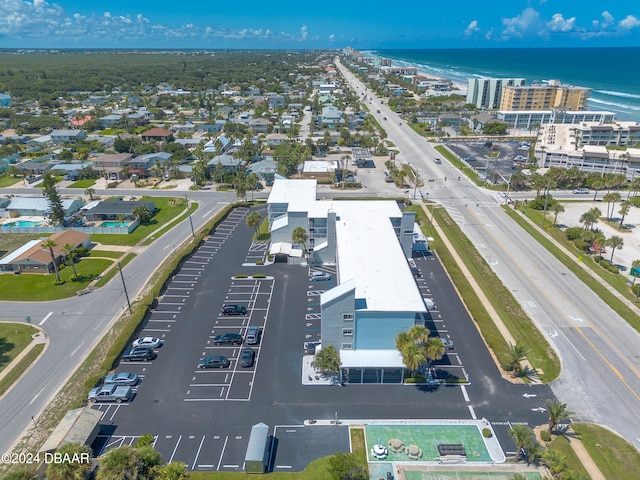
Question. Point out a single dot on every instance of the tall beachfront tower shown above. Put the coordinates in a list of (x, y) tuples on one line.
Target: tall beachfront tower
[(486, 93), (544, 97)]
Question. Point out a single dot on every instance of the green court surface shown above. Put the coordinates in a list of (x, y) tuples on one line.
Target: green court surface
[(427, 438), (422, 475)]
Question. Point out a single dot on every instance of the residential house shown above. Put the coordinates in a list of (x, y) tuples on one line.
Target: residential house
[(39, 207), (34, 257), (109, 121), (276, 139), (215, 127), (276, 101), (157, 135), (112, 165), (143, 165), (226, 162), (259, 125), (331, 117), (5, 100), (319, 169), (114, 209), (67, 136), (37, 166), (264, 169), (225, 112)]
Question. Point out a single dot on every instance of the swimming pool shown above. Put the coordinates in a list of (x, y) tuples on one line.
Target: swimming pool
[(114, 224), (23, 223)]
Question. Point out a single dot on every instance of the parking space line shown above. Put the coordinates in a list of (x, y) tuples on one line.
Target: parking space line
[(156, 330), (174, 450), (197, 453), (226, 439)]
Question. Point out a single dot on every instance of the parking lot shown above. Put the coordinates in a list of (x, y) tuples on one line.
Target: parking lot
[(478, 155), (203, 417)]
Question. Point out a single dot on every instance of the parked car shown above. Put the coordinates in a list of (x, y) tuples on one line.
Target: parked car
[(447, 342), (214, 361), (254, 333), (430, 304), (140, 353), (319, 276), (111, 393), (233, 310), (247, 358), (228, 338), (581, 191), (152, 342), (378, 111), (437, 160), (122, 378)]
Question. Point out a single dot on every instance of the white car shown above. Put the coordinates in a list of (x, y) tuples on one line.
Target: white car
[(320, 276), (152, 342)]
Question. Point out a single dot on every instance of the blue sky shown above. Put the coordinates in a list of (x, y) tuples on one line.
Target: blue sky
[(300, 24)]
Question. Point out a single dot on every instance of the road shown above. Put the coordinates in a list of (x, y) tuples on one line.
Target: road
[(75, 325), (599, 351)]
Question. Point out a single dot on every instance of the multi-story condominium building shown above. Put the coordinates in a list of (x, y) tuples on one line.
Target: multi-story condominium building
[(486, 93), (532, 119), (374, 297), (544, 97)]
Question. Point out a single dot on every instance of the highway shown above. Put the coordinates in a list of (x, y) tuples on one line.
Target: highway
[(75, 325), (600, 352)]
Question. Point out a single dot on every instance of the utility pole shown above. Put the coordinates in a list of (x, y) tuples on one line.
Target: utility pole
[(124, 285), (193, 233), (546, 202)]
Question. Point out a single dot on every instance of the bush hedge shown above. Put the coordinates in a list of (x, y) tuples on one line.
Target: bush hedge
[(486, 433)]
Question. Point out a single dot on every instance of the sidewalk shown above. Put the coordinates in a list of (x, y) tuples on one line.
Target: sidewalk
[(38, 338), (586, 460)]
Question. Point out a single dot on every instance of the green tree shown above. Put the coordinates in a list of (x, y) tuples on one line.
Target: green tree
[(50, 192), (516, 354), (625, 206), (555, 461), (345, 466), (556, 209), (119, 464), (172, 471), (327, 360), (142, 213), (614, 242), (299, 236), (520, 435), (148, 459), (69, 251), (434, 350), (589, 218), (253, 220), (533, 450), (557, 412), (50, 244), (21, 473), (635, 264), (413, 356), (611, 198), (71, 470)]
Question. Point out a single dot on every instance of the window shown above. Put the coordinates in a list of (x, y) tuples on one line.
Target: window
[(407, 232), (347, 317), (347, 332), (347, 346)]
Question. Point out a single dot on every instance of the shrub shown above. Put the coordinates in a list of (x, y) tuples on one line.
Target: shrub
[(259, 275), (545, 436), (112, 184), (486, 433), (269, 257), (606, 265), (259, 262), (539, 202), (56, 283), (573, 233)]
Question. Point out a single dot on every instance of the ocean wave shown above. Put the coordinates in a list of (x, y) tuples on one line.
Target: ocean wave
[(625, 106), (617, 94)]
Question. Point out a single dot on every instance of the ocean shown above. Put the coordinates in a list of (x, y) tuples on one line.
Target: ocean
[(612, 74)]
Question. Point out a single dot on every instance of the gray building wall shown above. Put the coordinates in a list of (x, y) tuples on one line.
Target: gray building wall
[(332, 318)]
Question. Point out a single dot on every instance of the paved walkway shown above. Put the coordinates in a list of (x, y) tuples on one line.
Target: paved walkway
[(586, 460)]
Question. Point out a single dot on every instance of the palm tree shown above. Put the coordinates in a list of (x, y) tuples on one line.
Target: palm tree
[(557, 411), (50, 244), (70, 470), (413, 356), (299, 235), (611, 198), (555, 461), (118, 464), (520, 434), (598, 245), (172, 471), (516, 353), (253, 220), (533, 450), (69, 250), (556, 209), (615, 242), (597, 185), (327, 361), (90, 191), (590, 218), (625, 206), (434, 350)]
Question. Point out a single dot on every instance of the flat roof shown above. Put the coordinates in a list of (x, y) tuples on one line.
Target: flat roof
[(298, 193), (371, 359)]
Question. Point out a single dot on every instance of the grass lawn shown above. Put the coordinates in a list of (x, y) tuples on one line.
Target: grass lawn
[(263, 231), (573, 462), (469, 172), (11, 241), (84, 183), (21, 366), (14, 337), (114, 271), (39, 287), (615, 457), (8, 180), (316, 470), (169, 209), (105, 253)]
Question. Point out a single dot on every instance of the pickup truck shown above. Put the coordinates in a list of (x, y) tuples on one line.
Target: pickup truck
[(111, 393)]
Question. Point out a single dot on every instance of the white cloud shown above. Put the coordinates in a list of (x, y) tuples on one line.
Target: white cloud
[(630, 22), (471, 28), (332, 38), (304, 32), (526, 24), (559, 24)]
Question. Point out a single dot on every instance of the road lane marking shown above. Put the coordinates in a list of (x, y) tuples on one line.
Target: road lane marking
[(46, 318)]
